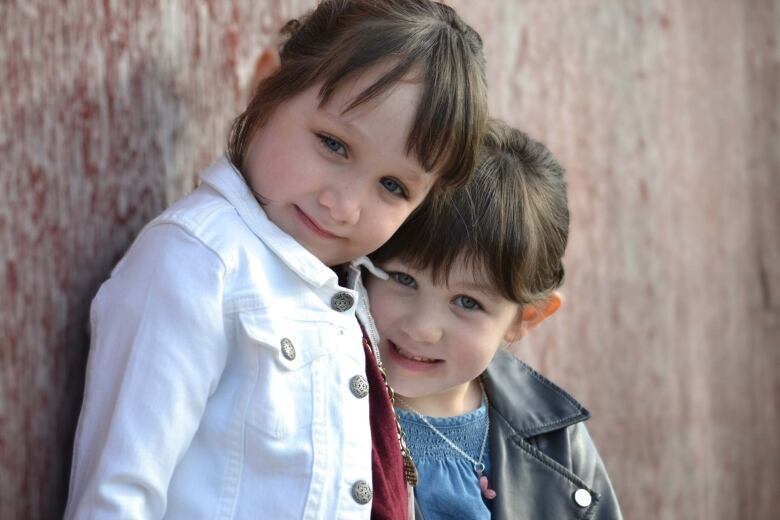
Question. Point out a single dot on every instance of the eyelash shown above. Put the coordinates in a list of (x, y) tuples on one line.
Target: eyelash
[(476, 307), (412, 284), (327, 140), (397, 275), (398, 186)]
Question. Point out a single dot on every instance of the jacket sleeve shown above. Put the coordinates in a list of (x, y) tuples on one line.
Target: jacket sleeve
[(587, 464), (158, 348)]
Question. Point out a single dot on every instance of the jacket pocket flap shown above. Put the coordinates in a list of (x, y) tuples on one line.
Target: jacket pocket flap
[(294, 343)]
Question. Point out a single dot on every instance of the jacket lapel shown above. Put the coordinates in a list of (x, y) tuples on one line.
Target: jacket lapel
[(524, 405)]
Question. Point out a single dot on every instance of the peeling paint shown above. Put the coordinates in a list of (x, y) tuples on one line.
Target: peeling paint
[(668, 131)]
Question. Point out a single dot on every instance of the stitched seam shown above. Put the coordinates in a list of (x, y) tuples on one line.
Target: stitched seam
[(499, 415), (537, 454), (555, 425), (246, 303), (231, 488), (529, 446), (549, 384), (592, 509), (581, 415), (187, 227)]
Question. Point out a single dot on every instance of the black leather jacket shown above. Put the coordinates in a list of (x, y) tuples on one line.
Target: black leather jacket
[(544, 464)]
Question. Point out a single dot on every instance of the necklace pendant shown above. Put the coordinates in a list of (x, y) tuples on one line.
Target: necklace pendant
[(410, 470), (484, 485)]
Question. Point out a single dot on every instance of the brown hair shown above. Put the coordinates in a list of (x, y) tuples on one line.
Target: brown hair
[(510, 222), (341, 38)]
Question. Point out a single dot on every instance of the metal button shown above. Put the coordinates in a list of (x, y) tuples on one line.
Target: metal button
[(358, 385), (361, 492), (582, 497), (342, 301), (288, 350)]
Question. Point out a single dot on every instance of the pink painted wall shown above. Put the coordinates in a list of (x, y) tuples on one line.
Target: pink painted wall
[(665, 112)]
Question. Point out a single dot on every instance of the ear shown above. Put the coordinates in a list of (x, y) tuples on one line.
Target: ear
[(531, 316), (265, 65)]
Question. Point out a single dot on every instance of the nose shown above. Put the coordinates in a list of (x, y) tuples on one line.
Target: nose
[(421, 325), (343, 202)]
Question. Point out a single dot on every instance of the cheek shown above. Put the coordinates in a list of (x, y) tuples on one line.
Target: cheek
[(382, 222), (481, 345), (276, 163), (382, 309), (262, 165)]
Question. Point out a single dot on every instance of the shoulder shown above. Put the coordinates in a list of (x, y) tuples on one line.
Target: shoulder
[(207, 215), (528, 401), (214, 222), (537, 420)]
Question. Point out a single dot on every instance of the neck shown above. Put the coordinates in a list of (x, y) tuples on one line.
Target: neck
[(452, 402)]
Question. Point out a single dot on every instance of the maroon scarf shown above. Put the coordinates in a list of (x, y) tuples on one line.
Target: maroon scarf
[(389, 486)]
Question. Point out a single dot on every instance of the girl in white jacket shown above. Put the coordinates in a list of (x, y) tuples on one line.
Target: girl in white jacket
[(227, 375)]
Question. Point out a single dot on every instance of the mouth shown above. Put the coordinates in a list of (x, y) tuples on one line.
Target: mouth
[(312, 224), (410, 360)]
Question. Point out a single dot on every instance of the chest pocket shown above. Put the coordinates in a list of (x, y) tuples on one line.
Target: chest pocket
[(285, 357)]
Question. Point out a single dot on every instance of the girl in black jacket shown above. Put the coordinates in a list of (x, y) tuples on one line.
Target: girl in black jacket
[(468, 274)]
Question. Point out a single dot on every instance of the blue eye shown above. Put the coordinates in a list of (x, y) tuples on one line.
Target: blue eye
[(333, 145), (393, 186), (404, 279), (468, 303)]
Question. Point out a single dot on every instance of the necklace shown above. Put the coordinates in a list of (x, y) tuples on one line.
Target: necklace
[(410, 471), (479, 466)]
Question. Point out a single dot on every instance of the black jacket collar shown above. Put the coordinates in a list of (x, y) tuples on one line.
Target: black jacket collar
[(527, 400)]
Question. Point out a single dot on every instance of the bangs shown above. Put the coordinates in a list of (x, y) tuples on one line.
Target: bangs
[(450, 115), (508, 225), (412, 40), (468, 227)]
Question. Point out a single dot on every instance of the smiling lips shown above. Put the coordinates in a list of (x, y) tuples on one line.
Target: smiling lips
[(312, 225), (406, 355)]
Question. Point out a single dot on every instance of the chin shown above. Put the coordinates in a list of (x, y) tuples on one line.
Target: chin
[(410, 391)]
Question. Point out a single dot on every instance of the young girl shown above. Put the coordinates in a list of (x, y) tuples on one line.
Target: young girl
[(228, 376), (488, 434)]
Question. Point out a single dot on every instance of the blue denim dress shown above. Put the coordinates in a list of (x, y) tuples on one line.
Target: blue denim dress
[(448, 487)]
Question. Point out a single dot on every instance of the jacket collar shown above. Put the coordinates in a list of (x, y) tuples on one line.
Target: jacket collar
[(354, 281), (528, 401), (524, 404), (225, 178)]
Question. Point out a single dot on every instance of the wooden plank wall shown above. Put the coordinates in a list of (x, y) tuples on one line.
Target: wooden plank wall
[(665, 112)]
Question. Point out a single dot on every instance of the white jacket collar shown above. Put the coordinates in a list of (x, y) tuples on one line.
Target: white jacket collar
[(225, 178)]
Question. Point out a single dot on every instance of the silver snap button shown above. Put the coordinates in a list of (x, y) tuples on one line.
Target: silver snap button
[(582, 497), (288, 351), (342, 301), (361, 492), (358, 385)]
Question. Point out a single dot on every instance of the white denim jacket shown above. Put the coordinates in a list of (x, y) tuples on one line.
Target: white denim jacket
[(221, 379)]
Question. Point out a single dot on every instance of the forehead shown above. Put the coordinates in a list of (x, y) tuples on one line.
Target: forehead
[(470, 274), (459, 275), (397, 105), (366, 97), (392, 111), (380, 126)]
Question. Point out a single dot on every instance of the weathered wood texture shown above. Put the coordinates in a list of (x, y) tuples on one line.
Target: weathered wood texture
[(666, 114)]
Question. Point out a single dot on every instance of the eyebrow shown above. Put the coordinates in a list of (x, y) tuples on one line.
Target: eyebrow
[(482, 288), (339, 121), (471, 285), (477, 288), (415, 179), (413, 174)]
